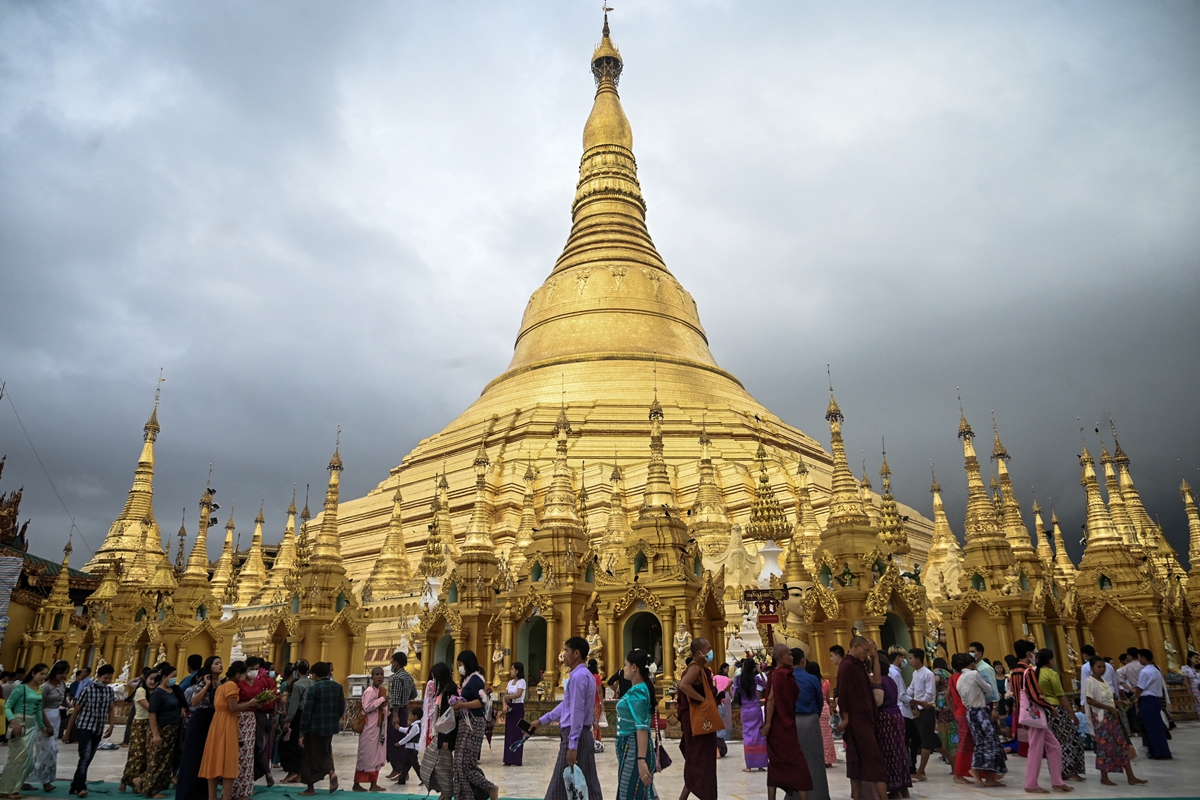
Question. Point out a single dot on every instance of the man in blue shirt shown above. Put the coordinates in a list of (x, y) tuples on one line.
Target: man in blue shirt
[(809, 704)]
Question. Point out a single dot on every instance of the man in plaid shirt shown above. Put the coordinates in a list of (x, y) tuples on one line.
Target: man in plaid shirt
[(321, 718), (90, 721), (401, 691)]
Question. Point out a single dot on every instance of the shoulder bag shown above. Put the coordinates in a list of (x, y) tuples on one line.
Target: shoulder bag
[(662, 759), (705, 717)]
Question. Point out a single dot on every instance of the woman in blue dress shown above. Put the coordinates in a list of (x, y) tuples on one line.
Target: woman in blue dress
[(635, 748)]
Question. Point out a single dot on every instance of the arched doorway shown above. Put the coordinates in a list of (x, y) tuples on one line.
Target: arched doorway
[(894, 633), (444, 652), (643, 631), (531, 648)]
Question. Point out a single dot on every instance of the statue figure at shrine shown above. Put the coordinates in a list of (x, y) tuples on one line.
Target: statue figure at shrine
[(683, 644), (595, 644)]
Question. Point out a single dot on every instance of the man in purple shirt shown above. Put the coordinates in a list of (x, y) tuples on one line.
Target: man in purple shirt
[(575, 716)]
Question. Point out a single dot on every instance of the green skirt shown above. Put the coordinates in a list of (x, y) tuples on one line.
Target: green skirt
[(19, 765)]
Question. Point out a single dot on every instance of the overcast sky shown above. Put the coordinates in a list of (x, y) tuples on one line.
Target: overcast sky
[(312, 214)]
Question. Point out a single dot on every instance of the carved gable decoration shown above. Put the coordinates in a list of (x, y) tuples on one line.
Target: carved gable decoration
[(439, 612), (635, 593), (1092, 611), (203, 627), (970, 596), (344, 617)]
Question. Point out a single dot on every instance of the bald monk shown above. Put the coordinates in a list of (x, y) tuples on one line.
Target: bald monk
[(787, 768), (856, 703)]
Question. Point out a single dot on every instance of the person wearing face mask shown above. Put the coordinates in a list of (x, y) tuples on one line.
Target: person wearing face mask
[(262, 678), (166, 733), (469, 780), (699, 751), (139, 737)]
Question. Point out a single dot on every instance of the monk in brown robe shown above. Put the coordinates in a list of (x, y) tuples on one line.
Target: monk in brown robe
[(856, 704), (787, 768)]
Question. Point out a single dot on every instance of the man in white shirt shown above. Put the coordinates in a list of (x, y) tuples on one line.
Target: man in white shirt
[(1151, 696), (922, 694), (897, 655), (988, 673)]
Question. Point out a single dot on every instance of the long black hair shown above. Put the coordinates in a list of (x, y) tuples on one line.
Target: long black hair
[(641, 660), (442, 679), (60, 667), (813, 668), (1044, 657), (747, 683), (469, 661), (520, 668), (35, 669)]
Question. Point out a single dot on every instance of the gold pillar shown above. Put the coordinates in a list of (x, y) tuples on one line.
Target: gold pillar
[(612, 645), (508, 642), (553, 648), (1004, 633), (1143, 636), (668, 628)]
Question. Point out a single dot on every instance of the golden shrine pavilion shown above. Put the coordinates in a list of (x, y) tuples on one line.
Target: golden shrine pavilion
[(616, 483)]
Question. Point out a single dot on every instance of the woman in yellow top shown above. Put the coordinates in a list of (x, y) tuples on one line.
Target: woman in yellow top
[(220, 760), (1062, 722)]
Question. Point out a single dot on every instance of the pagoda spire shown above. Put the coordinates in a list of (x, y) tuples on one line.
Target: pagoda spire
[(807, 531), (709, 518), (891, 529), (279, 580), (1129, 493), (768, 522), (196, 572), (945, 553), (327, 552), (392, 573), (1100, 529), (987, 552), (223, 572), (1064, 567), (125, 537), (445, 523), (1193, 518), (1044, 551), (561, 504), (608, 292), (433, 560), (254, 570), (845, 503), (1116, 504), (659, 496), (1015, 530), (525, 528), (616, 530), (179, 560), (60, 593), (479, 529), (867, 492)]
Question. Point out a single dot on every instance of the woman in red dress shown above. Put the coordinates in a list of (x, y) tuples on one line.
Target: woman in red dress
[(966, 743)]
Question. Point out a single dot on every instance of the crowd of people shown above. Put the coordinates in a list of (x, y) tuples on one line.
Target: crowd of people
[(218, 731)]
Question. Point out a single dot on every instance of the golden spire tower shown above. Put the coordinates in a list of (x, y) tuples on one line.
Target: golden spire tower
[(327, 552), (1044, 551), (616, 530), (709, 519), (433, 560), (1105, 552), (560, 517), (658, 513), (768, 522), (944, 567), (1116, 504), (278, 586), (1193, 518), (1015, 530), (392, 572), (477, 559), (223, 571), (867, 492), (524, 537), (845, 502), (987, 551), (126, 538), (807, 532), (254, 570), (891, 529), (1064, 567)]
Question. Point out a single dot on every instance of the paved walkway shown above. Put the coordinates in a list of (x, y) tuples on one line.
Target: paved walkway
[(1178, 778)]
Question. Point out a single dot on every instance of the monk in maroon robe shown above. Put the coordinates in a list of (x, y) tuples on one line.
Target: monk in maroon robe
[(787, 767), (856, 704)]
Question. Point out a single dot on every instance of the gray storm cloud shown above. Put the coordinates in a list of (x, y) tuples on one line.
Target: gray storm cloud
[(314, 215)]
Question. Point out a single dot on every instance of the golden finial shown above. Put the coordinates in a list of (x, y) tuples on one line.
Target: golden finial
[(1119, 457), (152, 428), (999, 453), (1036, 508), (335, 463), (884, 471), (260, 519), (964, 427), (833, 412), (305, 515), (934, 487), (292, 508)]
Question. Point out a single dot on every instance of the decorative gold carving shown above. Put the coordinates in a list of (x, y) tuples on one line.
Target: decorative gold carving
[(632, 595), (972, 595), (1093, 610), (439, 612)]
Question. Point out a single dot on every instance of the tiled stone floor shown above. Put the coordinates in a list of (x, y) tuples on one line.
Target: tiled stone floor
[(1178, 778)]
